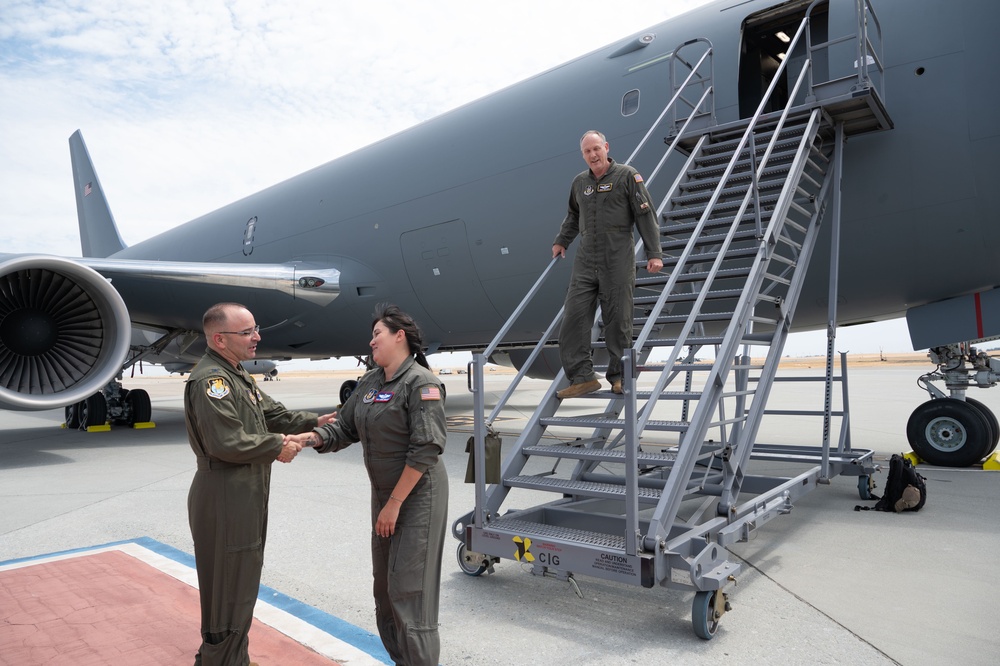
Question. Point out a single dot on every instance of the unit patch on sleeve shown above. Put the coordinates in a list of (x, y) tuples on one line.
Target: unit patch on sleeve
[(430, 393), (217, 388)]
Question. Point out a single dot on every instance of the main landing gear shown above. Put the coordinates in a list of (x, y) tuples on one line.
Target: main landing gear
[(114, 404), (953, 430)]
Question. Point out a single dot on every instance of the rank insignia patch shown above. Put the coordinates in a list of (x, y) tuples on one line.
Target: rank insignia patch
[(604, 187), (384, 396), (217, 388), (430, 393)]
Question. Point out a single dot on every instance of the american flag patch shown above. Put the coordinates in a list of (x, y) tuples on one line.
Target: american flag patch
[(638, 178), (430, 393)]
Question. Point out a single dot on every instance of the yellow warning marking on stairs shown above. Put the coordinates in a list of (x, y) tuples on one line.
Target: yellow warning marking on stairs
[(523, 552)]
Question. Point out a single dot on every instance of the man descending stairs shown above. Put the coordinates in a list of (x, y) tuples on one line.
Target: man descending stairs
[(651, 485)]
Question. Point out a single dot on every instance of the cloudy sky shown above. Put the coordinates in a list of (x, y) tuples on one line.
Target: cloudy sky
[(188, 105)]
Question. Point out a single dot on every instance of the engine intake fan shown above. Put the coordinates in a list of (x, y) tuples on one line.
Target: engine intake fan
[(64, 332)]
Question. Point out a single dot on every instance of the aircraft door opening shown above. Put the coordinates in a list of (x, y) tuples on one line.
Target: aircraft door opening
[(444, 278), (766, 36)]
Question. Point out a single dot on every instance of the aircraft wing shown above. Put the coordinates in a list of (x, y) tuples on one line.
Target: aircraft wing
[(67, 331)]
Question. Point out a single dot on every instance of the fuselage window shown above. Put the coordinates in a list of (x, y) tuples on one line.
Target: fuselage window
[(630, 102)]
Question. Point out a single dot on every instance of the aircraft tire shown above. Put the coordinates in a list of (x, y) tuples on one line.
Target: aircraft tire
[(991, 420), (948, 432), (94, 412), (138, 406), (346, 389), (73, 415)]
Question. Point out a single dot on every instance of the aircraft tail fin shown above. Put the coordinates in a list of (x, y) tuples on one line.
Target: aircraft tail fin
[(99, 235)]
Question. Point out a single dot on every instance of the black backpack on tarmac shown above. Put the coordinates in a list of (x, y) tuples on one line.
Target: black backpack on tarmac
[(905, 489)]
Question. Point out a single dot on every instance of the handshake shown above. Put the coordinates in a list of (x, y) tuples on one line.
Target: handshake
[(292, 444)]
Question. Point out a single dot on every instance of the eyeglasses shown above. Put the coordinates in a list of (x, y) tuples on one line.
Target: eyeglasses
[(246, 334)]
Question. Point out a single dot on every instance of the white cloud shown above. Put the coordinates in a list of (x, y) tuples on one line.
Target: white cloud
[(186, 106)]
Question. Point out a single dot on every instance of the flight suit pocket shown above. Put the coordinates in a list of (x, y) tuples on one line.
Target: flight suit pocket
[(407, 560)]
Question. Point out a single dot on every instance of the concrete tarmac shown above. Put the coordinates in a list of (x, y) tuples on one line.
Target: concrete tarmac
[(822, 585)]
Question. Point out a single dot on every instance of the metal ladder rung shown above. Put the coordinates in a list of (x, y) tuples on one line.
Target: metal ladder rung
[(777, 278)]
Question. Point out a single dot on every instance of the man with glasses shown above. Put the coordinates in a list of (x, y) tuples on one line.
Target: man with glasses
[(236, 432)]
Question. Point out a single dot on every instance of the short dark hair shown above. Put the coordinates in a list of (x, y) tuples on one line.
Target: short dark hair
[(218, 315)]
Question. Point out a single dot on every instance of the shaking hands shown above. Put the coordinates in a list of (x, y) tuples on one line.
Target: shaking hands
[(295, 443)]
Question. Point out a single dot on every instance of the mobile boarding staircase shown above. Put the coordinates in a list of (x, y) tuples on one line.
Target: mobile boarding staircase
[(738, 228)]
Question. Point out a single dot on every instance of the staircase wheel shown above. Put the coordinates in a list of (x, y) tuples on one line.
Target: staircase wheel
[(703, 615), (865, 486), (467, 565)]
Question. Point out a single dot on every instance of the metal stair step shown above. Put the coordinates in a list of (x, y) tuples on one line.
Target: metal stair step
[(535, 530), (742, 169), (709, 240), (585, 488), (688, 211), (738, 191), (661, 278), (601, 421), (603, 455), (673, 228), (709, 257)]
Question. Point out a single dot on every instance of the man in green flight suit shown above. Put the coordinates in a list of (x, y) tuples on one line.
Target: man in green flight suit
[(606, 202), (234, 430)]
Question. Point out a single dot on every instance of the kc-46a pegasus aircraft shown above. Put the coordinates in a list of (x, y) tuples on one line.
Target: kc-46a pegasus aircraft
[(459, 221)]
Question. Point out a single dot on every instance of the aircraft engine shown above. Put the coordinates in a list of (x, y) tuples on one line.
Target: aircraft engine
[(64, 332)]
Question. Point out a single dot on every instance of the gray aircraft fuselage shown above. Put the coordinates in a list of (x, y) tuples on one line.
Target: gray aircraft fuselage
[(453, 220)]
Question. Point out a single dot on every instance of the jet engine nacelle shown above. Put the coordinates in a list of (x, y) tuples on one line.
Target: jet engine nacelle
[(64, 332)]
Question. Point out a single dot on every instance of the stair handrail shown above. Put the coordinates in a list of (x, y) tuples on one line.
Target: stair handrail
[(864, 46), (679, 89), (536, 287), (647, 410)]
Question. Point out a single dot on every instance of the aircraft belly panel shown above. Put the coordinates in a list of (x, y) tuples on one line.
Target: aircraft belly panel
[(444, 279)]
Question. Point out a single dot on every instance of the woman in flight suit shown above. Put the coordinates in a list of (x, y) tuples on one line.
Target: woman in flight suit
[(397, 413)]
